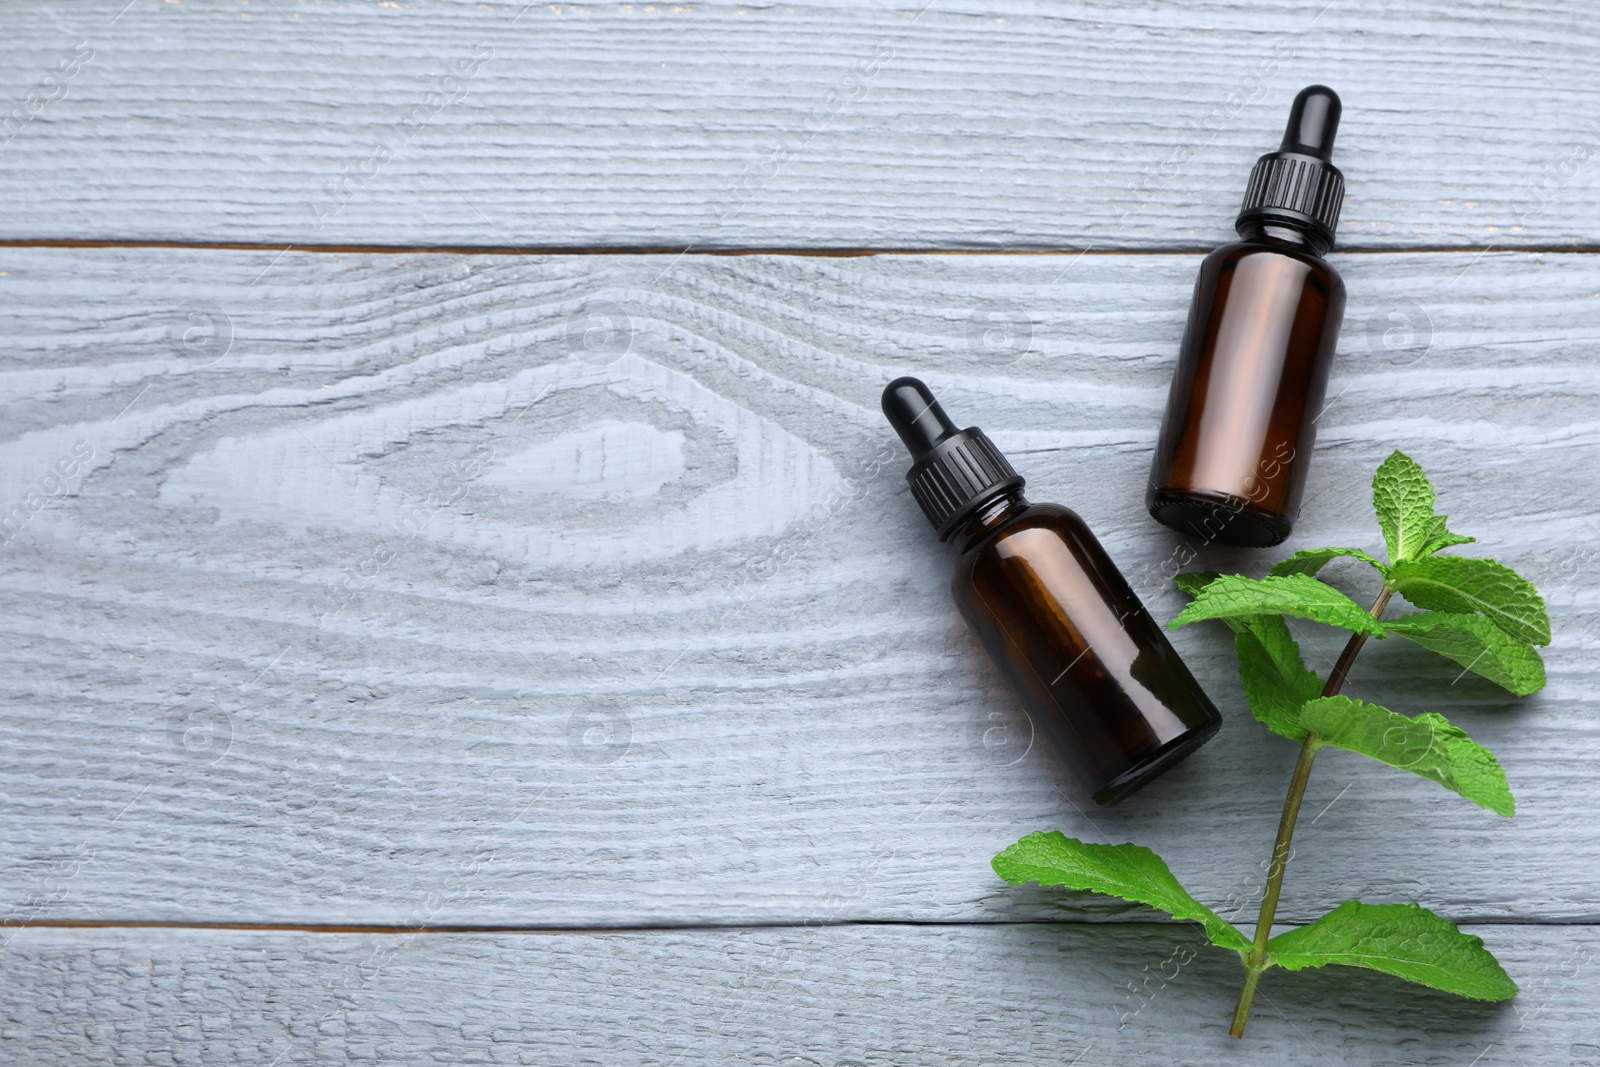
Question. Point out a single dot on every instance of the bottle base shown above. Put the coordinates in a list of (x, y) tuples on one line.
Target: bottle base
[(1155, 765), (1217, 517)]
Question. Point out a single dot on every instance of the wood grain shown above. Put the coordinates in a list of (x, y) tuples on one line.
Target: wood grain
[(814, 125), (578, 591), (995, 994)]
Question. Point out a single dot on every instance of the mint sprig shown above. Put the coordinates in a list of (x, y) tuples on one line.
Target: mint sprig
[(1477, 613)]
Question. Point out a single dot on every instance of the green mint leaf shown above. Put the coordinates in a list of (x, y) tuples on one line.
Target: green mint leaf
[(1233, 595), (1439, 536), (1405, 940), (1475, 586), (1478, 645), (1426, 745), (1131, 872), (1403, 498), (1312, 560), (1194, 581), (1275, 679)]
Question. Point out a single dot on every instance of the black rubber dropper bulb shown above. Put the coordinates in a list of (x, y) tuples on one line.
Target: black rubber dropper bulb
[(1313, 123), (916, 416)]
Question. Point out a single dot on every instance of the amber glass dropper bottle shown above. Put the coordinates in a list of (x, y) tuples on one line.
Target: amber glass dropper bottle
[(1092, 668), (1230, 464)]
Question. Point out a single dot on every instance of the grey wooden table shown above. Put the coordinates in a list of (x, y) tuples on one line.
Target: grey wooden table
[(455, 612)]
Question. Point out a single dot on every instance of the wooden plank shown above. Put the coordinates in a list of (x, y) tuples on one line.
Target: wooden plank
[(985, 994), (383, 567), (822, 124)]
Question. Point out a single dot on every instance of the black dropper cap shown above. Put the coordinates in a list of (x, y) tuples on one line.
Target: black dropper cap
[(1297, 186), (953, 472)]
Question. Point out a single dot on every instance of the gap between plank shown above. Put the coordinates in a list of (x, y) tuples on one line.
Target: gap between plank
[(630, 928), (667, 250)]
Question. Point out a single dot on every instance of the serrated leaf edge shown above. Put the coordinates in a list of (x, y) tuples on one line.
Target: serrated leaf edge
[(1242, 946), (1406, 626), (1432, 721), (1543, 616), (1473, 942), (1370, 626), (1330, 553)]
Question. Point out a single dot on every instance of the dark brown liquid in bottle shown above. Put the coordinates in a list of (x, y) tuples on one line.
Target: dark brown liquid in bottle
[(1093, 670), (1252, 374), (1096, 674)]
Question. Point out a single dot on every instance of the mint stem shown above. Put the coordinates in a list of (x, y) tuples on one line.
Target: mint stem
[(1256, 960), (1341, 667)]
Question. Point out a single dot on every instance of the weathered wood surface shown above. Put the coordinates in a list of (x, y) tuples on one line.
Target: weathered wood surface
[(831, 124), (399, 583), (979, 995)]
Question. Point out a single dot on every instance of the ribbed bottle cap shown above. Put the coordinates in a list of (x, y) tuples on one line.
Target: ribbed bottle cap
[(1297, 186), (953, 472)]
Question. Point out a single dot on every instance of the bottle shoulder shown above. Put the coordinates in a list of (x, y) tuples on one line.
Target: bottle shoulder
[(1062, 520), (1232, 254)]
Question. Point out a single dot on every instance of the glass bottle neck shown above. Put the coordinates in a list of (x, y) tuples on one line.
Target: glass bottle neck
[(991, 514), (1288, 236)]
